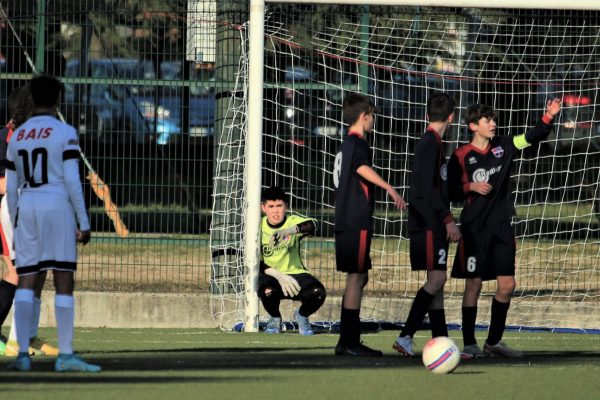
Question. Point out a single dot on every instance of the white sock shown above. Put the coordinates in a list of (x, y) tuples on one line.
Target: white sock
[(64, 309), (35, 319), (23, 313)]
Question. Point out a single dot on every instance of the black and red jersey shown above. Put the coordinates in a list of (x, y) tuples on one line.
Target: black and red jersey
[(429, 207), (469, 164), (354, 201)]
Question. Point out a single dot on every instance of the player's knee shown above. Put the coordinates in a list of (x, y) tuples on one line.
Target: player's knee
[(436, 281), (265, 292), (506, 287), (364, 280), (319, 293), (473, 287)]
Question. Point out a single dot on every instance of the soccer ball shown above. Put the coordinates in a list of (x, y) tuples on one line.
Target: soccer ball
[(441, 355)]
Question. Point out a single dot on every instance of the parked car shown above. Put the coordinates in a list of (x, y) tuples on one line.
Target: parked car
[(114, 111), (577, 127), (307, 113), (199, 101), (574, 143)]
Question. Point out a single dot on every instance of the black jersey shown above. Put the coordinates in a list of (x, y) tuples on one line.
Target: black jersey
[(469, 164), (354, 202), (429, 208)]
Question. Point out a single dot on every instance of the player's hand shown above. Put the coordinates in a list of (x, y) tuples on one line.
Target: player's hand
[(553, 107), (398, 200), (281, 234), (452, 232), (289, 285), (83, 236), (482, 188)]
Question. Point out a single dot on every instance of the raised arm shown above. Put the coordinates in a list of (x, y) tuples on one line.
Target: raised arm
[(370, 175), (542, 128)]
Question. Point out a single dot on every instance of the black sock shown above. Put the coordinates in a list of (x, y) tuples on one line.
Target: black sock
[(7, 295), (469, 316), (417, 312), (437, 320), (350, 327), (498, 321)]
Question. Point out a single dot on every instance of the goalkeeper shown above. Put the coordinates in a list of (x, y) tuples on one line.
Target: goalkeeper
[(282, 274), (479, 176)]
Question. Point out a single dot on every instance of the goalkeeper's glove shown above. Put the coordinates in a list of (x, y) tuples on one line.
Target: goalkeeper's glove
[(280, 234), (289, 285)]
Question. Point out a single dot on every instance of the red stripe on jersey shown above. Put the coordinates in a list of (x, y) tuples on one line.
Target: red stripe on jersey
[(362, 250), (5, 249), (429, 249), (461, 153), (365, 189), (10, 132)]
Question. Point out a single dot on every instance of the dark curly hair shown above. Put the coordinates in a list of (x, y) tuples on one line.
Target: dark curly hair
[(20, 105)]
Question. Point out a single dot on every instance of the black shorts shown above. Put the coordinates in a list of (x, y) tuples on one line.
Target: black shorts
[(307, 283), (352, 251), (486, 254), (428, 250)]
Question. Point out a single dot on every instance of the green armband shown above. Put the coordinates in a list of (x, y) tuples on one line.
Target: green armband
[(520, 142)]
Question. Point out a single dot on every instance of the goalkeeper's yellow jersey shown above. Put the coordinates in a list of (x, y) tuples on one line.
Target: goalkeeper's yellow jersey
[(285, 255)]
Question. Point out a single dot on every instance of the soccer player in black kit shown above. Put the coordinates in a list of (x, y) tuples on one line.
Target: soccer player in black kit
[(355, 181), (430, 224), (479, 175)]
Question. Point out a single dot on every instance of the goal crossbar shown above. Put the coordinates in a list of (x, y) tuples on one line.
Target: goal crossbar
[(538, 4)]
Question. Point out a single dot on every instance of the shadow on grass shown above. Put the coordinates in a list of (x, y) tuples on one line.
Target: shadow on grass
[(48, 376), (256, 359)]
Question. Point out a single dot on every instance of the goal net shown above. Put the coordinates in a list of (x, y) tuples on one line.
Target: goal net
[(513, 60)]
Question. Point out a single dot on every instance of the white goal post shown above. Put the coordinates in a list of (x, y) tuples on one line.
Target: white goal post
[(254, 151)]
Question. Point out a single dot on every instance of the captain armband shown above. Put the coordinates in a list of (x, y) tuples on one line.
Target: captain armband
[(520, 142)]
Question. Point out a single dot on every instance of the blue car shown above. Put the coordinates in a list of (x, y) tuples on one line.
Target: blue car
[(113, 111), (200, 101)]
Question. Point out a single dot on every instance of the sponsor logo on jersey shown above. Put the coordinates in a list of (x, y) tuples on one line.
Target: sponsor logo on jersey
[(444, 172), (472, 160), (498, 151), (73, 142), (481, 175), (269, 250)]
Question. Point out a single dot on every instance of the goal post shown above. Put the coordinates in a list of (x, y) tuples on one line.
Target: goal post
[(399, 52)]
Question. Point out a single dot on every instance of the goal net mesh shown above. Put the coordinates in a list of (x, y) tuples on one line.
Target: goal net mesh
[(513, 60)]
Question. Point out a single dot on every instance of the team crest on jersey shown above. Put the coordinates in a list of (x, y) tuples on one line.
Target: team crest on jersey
[(472, 160), (444, 172), (498, 151)]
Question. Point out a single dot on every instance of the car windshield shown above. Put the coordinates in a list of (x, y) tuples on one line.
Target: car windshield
[(125, 69), (172, 70)]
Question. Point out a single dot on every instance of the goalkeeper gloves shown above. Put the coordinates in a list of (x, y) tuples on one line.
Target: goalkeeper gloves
[(280, 235), (289, 285)]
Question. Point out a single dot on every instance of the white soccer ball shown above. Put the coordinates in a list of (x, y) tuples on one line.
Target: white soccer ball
[(441, 355)]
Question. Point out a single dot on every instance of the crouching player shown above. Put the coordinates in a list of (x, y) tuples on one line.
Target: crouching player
[(283, 275)]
